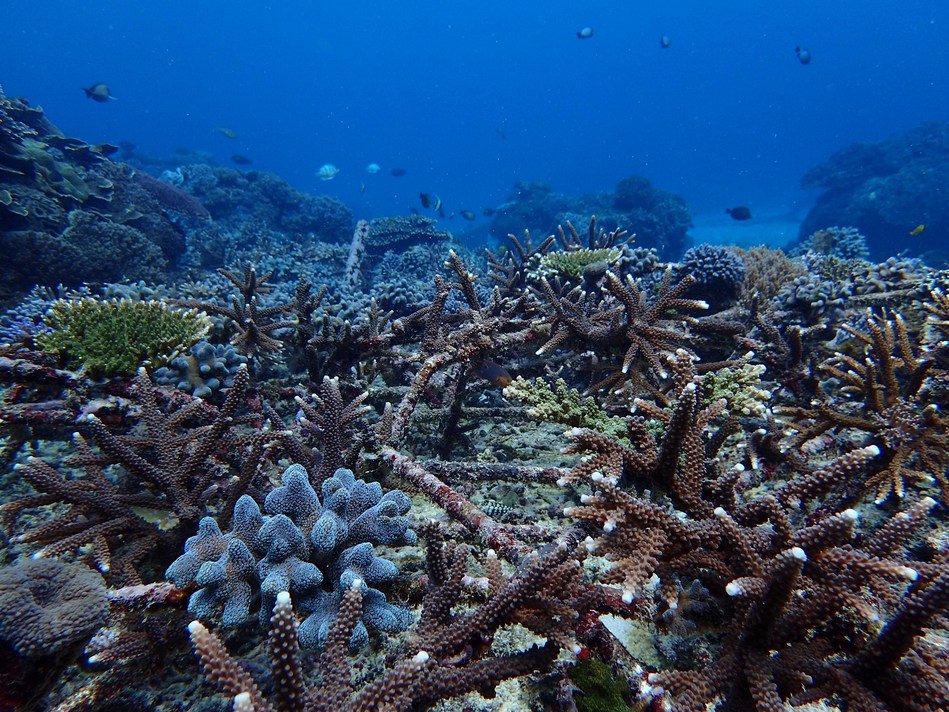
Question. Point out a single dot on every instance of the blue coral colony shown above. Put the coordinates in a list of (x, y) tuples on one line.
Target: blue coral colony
[(261, 454)]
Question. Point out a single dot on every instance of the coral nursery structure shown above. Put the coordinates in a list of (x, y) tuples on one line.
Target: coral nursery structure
[(395, 474)]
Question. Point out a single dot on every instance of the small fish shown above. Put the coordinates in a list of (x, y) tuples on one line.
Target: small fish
[(99, 92), (586, 33), (664, 42), (468, 214), (241, 160), (327, 171), (226, 133), (398, 172), (739, 213), (918, 230), (430, 200), (362, 187), (373, 168), (803, 55), (488, 212), (493, 373)]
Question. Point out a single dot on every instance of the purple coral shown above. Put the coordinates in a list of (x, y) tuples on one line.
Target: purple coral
[(314, 549)]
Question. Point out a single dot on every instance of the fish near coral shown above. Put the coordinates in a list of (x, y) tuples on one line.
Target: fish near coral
[(918, 230), (494, 373)]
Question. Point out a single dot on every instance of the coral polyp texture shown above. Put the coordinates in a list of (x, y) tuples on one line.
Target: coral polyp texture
[(642, 476), (118, 336), (312, 546)]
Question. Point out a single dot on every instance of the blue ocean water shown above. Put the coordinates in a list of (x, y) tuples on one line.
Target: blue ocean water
[(469, 98)]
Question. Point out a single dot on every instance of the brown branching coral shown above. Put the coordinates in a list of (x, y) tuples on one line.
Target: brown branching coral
[(625, 326), (452, 655), (888, 408), (254, 333), (676, 461), (786, 583), (171, 469)]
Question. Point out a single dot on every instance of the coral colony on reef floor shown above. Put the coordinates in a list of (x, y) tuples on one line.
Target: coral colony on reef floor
[(311, 464)]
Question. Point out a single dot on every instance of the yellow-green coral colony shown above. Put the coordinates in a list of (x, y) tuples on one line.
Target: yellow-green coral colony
[(561, 404), (115, 337), (575, 262)]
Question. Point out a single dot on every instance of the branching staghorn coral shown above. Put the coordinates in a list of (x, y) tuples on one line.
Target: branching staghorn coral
[(627, 328), (170, 471), (889, 407), (559, 403), (451, 651), (254, 333)]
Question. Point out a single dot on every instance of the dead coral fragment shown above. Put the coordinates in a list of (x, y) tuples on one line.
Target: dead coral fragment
[(117, 336)]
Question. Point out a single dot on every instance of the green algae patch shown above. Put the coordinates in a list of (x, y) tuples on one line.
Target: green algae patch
[(600, 689)]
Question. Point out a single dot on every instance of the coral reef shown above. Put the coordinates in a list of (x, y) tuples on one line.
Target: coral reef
[(884, 189), (69, 211), (743, 509), (234, 197)]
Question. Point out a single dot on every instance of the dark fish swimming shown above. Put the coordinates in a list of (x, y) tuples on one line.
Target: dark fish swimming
[(468, 214), (803, 55), (398, 172), (586, 33), (488, 212), (664, 41), (430, 200), (494, 373), (99, 92), (241, 160), (739, 213)]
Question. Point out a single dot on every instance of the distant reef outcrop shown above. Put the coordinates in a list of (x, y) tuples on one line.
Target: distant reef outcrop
[(886, 190), (74, 212)]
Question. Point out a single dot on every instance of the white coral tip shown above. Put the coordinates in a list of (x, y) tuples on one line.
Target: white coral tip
[(734, 589), (421, 657), (720, 512), (908, 573), (851, 515), (562, 482), (356, 584), (597, 476), (873, 450), (283, 598), (609, 526), (195, 627), (627, 597), (585, 498), (799, 553)]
